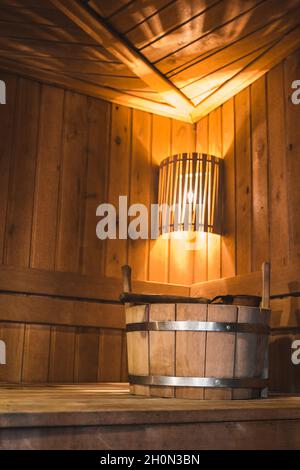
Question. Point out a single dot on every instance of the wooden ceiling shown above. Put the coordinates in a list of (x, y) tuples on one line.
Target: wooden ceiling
[(180, 58)]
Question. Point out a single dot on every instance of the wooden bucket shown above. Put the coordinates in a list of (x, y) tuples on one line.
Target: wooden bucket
[(206, 351)]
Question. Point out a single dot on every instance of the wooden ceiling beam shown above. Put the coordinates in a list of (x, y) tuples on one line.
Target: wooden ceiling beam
[(66, 81), (119, 47), (249, 74)]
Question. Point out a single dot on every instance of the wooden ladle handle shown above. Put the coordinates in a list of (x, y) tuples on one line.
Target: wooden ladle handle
[(126, 274)]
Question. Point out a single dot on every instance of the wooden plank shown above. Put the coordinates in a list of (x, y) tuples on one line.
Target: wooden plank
[(13, 336), (7, 119), (119, 164), (90, 89), (86, 355), (283, 279), (47, 179), (199, 89), (162, 348), (97, 28), (110, 356), (243, 182), (190, 349), (228, 240), (291, 73), (140, 183), (220, 350), (160, 146), (124, 360), (181, 258), (136, 15), (45, 32), (72, 184), (283, 47), (138, 364), (157, 27), (200, 255), (106, 9), (98, 129), (247, 361), (222, 23), (21, 186), (278, 186), (214, 241), (61, 360), (260, 212), (36, 354), (73, 285), (45, 310)]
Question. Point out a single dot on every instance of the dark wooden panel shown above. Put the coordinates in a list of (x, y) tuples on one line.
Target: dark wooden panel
[(110, 356), (13, 336), (7, 120), (62, 355), (260, 204), (86, 355), (36, 351), (21, 187)]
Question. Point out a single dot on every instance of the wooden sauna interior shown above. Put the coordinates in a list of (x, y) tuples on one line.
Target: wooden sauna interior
[(98, 93)]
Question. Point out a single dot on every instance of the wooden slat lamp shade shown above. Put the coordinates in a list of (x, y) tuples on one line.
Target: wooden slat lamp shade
[(190, 183)]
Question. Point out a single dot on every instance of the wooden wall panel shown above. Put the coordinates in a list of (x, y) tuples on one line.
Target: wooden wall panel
[(98, 133), (118, 184), (22, 175), (36, 354), (7, 119), (47, 176), (260, 146), (260, 206), (72, 183), (140, 181)]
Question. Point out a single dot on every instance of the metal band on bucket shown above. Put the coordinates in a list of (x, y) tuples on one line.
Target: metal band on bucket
[(252, 328), (204, 382)]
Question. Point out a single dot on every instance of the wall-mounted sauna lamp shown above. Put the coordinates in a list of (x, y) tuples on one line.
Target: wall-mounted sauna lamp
[(190, 183)]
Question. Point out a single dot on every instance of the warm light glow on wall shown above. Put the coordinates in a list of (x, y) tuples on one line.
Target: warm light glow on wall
[(190, 184)]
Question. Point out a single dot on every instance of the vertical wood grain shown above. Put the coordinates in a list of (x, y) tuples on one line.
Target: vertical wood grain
[(72, 184), (7, 139), (278, 188), (291, 73), (228, 240), (21, 186), (110, 356), (118, 184), (36, 354), (162, 348), (86, 355), (200, 255), (159, 249), (98, 124), (243, 181), (140, 181), (62, 350), (47, 178), (13, 336), (215, 148), (260, 203)]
